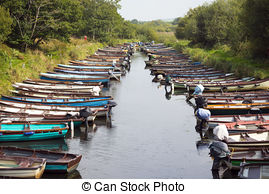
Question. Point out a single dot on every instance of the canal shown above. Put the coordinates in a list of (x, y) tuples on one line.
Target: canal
[(150, 137)]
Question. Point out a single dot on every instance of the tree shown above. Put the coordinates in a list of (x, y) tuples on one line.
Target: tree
[(5, 24), (255, 18), (40, 20)]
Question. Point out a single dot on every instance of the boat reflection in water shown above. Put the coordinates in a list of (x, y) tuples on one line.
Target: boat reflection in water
[(53, 144), (73, 175)]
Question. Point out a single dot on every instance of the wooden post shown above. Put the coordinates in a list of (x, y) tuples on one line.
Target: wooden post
[(72, 128)]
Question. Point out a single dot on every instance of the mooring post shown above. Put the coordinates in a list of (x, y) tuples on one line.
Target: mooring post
[(72, 128)]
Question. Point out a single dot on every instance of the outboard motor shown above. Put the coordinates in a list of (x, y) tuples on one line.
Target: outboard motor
[(201, 102), (86, 112)]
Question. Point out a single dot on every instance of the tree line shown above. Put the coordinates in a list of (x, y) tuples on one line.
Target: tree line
[(243, 25), (26, 23)]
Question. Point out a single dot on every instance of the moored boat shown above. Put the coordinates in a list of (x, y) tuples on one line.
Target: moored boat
[(32, 131), (21, 167), (56, 162)]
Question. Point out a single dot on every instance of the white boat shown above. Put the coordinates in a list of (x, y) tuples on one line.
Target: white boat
[(21, 167)]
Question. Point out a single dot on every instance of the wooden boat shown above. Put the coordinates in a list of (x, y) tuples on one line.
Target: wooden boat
[(254, 171), (32, 131), (218, 119), (214, 101), (111, 75), (85, 67), (238, 86), (99, 110), (249, 155), (237, 109), (246, 126), (52, 93), (75, 78), (92, 101), (95, 73), (59, 114), (258, 138), (57, 162), (60, 83), (237, 95), (57, 87), (182, 84), (21, 167)]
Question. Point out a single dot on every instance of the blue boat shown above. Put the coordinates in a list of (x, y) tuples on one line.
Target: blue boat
[(85, 67), (94, 101), (32, 131), (74, 78)]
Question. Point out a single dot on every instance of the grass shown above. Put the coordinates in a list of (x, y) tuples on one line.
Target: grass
[(223, 59), (16, 66)]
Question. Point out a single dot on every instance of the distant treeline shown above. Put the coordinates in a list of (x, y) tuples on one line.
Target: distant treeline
[(243, 25), (26, 23)]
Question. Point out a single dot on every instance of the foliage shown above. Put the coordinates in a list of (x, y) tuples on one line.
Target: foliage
[(5, 24), (255, 17), (39, 20), (240, 24)]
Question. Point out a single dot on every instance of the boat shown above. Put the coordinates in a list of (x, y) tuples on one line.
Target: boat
[(237, 95), (246, 126), (237, 86), (98, 110), (78, 78), (60, 83), (56, 162), (260, 99), (53, 93), (258, 138), (218, 119), (32, 131), (85, 67), (62, 87), (249, 155), (254, 171), (237, 109), (21, 167), (90, 101)]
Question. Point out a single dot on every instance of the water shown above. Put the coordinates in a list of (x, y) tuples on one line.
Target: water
[(151, 137)]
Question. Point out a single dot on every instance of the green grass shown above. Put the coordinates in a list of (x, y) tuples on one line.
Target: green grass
[(222, 58)]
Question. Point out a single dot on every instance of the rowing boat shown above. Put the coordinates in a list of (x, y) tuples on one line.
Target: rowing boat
[(32, 131), (57, 162), (21, 167)]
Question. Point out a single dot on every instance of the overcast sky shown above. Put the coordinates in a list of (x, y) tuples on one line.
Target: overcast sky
[(147, 10)]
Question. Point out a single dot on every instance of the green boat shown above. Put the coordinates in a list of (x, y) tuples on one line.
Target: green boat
[(249, 156), (32, 131)]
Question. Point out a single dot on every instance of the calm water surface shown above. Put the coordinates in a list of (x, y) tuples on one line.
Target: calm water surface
[(151, 137)]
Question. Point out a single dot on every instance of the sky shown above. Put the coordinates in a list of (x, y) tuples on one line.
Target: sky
[(147, 10)]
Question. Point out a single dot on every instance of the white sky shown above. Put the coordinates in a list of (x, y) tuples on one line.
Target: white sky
[(147, 10)]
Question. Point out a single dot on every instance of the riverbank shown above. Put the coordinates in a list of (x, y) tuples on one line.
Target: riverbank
[(223, 59), (17, 66)]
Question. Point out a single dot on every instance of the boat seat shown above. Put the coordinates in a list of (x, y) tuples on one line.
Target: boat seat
[(245, 137)]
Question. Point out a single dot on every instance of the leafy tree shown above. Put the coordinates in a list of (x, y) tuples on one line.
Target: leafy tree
[(40, 20), (5, 24), (255, 18)]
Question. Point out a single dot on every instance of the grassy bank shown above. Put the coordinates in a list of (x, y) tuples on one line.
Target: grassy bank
[(16, 66), (223, 59)]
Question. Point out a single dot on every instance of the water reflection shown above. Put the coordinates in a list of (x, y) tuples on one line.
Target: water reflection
[(73, 175), (53, 144)]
